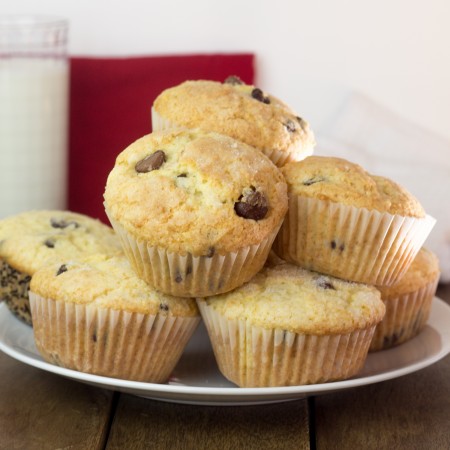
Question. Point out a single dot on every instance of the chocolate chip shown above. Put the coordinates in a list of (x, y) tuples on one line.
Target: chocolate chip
[(324, 284), (258, 94), (393, 339), (234, 80), (94, 337), (313, 180), (290, 126), (61, 223), (50, 243), (151, 162), (334, 245), (211, 251), (301, 121), (182, 175), (164, 307), (178, 277), (61, 270), (252, 205)]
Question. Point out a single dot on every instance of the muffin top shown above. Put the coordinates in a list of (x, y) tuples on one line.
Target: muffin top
[(341, 181), (31, 239), (106, 282), (241, 111), (290, 298), (423, 270), (197, 192)]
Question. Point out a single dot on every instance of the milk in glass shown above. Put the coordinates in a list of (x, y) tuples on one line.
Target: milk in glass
[(33, 114)]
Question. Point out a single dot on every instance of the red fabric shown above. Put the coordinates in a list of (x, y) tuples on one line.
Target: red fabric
[(110, 100)]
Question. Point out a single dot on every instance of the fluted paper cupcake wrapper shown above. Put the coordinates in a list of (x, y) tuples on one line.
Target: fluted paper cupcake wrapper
[(349, 242), (110, 343), (406, 316), (159, 123), (278, 157), (252, 356), (193, 276)]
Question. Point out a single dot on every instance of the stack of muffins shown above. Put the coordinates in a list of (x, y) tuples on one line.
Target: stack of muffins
[(197, 205)]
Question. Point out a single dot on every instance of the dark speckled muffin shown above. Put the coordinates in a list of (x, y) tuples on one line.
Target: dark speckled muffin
[(30, 240)]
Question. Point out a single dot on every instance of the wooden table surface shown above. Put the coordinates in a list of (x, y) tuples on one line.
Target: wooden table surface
[(40, 410)]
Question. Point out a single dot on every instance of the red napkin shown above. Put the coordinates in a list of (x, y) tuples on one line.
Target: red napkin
[(110, 100)]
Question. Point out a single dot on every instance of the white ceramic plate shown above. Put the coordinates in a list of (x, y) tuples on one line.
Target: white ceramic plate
[(197, 380)]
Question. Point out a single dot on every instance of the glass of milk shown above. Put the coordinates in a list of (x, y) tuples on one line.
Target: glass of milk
[(34, 77)]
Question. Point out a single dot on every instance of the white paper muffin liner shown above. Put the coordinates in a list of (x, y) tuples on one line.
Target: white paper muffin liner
[(118, 344), (406, 316), (348, 242), (159, 123), (279, 158), (193, 276), (252, 356)]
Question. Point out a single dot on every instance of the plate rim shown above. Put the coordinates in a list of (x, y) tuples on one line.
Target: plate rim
[(157, 391)]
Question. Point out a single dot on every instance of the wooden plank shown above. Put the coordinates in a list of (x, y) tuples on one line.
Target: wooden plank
[(411, 412), (40, 410), (141, 424)]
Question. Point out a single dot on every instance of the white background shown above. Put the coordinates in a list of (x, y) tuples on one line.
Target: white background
[(310, 54)]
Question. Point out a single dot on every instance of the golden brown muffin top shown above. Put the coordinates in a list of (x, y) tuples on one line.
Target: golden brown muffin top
[(106, 282), (341, 181), (291, 298), (423, 270), (238, 110), (203, 192), (31, 239)]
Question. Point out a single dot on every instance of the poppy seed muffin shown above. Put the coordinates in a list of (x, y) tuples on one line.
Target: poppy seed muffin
[(197, 211), (289, 326), (408, 302), (348, 223), (95, 315), (32, 239), (241, 111)]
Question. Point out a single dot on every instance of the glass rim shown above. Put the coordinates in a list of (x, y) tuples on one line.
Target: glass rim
[(11, 21)]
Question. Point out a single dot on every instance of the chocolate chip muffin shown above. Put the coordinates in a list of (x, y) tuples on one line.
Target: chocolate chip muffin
[(95, 315), (241, 111), (408, 302), (197, 211), (32, 239), (350, 224), (288, 326)]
